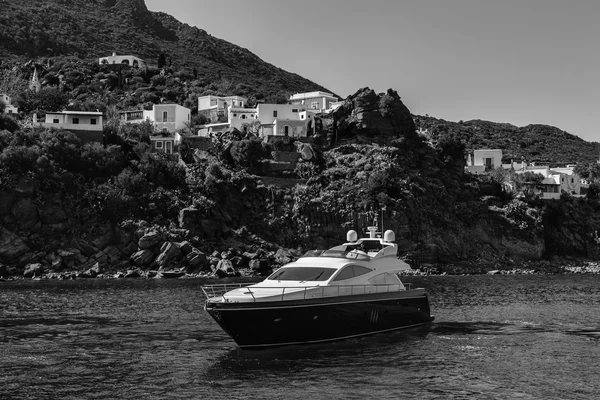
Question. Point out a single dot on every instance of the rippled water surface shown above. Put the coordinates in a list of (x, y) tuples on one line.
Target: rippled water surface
[(495, 337)]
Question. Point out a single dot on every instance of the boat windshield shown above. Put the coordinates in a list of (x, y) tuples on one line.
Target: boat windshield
[(302, 274), (353, 252)]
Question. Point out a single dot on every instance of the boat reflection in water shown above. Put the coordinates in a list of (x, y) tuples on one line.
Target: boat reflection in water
[(347, 291)]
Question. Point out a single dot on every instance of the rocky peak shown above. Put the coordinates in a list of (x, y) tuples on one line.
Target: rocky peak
[(375, 116)]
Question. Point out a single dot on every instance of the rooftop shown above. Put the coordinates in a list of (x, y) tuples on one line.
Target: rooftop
[(308, 95)]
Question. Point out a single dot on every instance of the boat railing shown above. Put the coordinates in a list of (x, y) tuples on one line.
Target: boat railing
[(301, 292)]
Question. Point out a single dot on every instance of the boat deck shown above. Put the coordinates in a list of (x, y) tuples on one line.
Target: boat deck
[(244, 293)]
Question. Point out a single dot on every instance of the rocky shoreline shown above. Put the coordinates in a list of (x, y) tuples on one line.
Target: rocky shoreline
[(538, 267), (136, 249), (542, 267)]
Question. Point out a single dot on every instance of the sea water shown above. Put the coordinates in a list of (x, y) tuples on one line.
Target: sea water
[(494, 337)]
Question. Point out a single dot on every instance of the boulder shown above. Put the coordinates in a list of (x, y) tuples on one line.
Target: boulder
[(172, 274), (185, 247), (26, 214), (283, 256), (168, 252), (149, 240), (93, 272), (33, 269), (189, 217), (197, 260), (86, 248), (52, 212), (12, 247), (100, 257), (142, 258), (102, 241), (133, 273), (129, 249), (67, 254), (56, 262)]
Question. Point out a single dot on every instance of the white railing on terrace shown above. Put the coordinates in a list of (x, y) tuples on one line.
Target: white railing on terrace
[(165, 120), (300, 292)]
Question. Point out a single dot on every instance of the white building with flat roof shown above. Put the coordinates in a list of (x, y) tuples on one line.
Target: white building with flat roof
[(164, 117), (129, 60), (87, 125), (9, 109), (275, 119), (321, 101), (216, 107)]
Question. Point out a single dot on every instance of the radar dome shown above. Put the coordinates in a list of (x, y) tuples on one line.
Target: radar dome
[(352, 236), (389, 236)]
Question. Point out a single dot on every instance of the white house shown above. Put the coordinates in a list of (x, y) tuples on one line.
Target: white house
[(131, 61), (216, 107), (164, 117), (86, 124), (10, 109), (275, 120), (556, 181), (283, 119), (321, 101), (165, 143), (483, 160)]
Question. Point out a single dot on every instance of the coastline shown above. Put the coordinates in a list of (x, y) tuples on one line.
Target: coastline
[(539, 267)]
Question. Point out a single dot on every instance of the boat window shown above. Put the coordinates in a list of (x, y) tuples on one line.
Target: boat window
[(351, 271), (302, 274), (339, 252)]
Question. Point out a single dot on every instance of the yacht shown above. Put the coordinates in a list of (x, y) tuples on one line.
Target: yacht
[(347, 291)]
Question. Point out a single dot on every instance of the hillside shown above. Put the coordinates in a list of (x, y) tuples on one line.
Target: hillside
[(541, 144), (89, 29)]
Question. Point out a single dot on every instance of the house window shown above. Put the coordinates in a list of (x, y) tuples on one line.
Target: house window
[(75, 120), (243, 116), (572, 180), (55, 121), (159, 145), (274, 113), (235, 115), (314, 105), (294, 110), (165, 116), (93, 121)]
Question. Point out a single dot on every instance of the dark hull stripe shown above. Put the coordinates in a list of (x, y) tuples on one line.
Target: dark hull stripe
[(255, 346)]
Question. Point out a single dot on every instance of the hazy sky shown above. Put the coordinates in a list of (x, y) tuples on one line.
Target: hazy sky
[(516, 61)]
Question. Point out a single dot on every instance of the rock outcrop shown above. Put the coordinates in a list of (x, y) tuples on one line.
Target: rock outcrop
[(378, 117)]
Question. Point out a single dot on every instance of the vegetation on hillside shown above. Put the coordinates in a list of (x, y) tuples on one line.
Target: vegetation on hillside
[(541, 144), (89, 29)]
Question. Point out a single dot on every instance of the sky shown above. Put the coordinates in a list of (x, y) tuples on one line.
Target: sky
[(516, 61)]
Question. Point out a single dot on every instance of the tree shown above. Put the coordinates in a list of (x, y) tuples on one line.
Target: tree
[(248, 153), (251, 127), (12, 82), (47, 99)]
